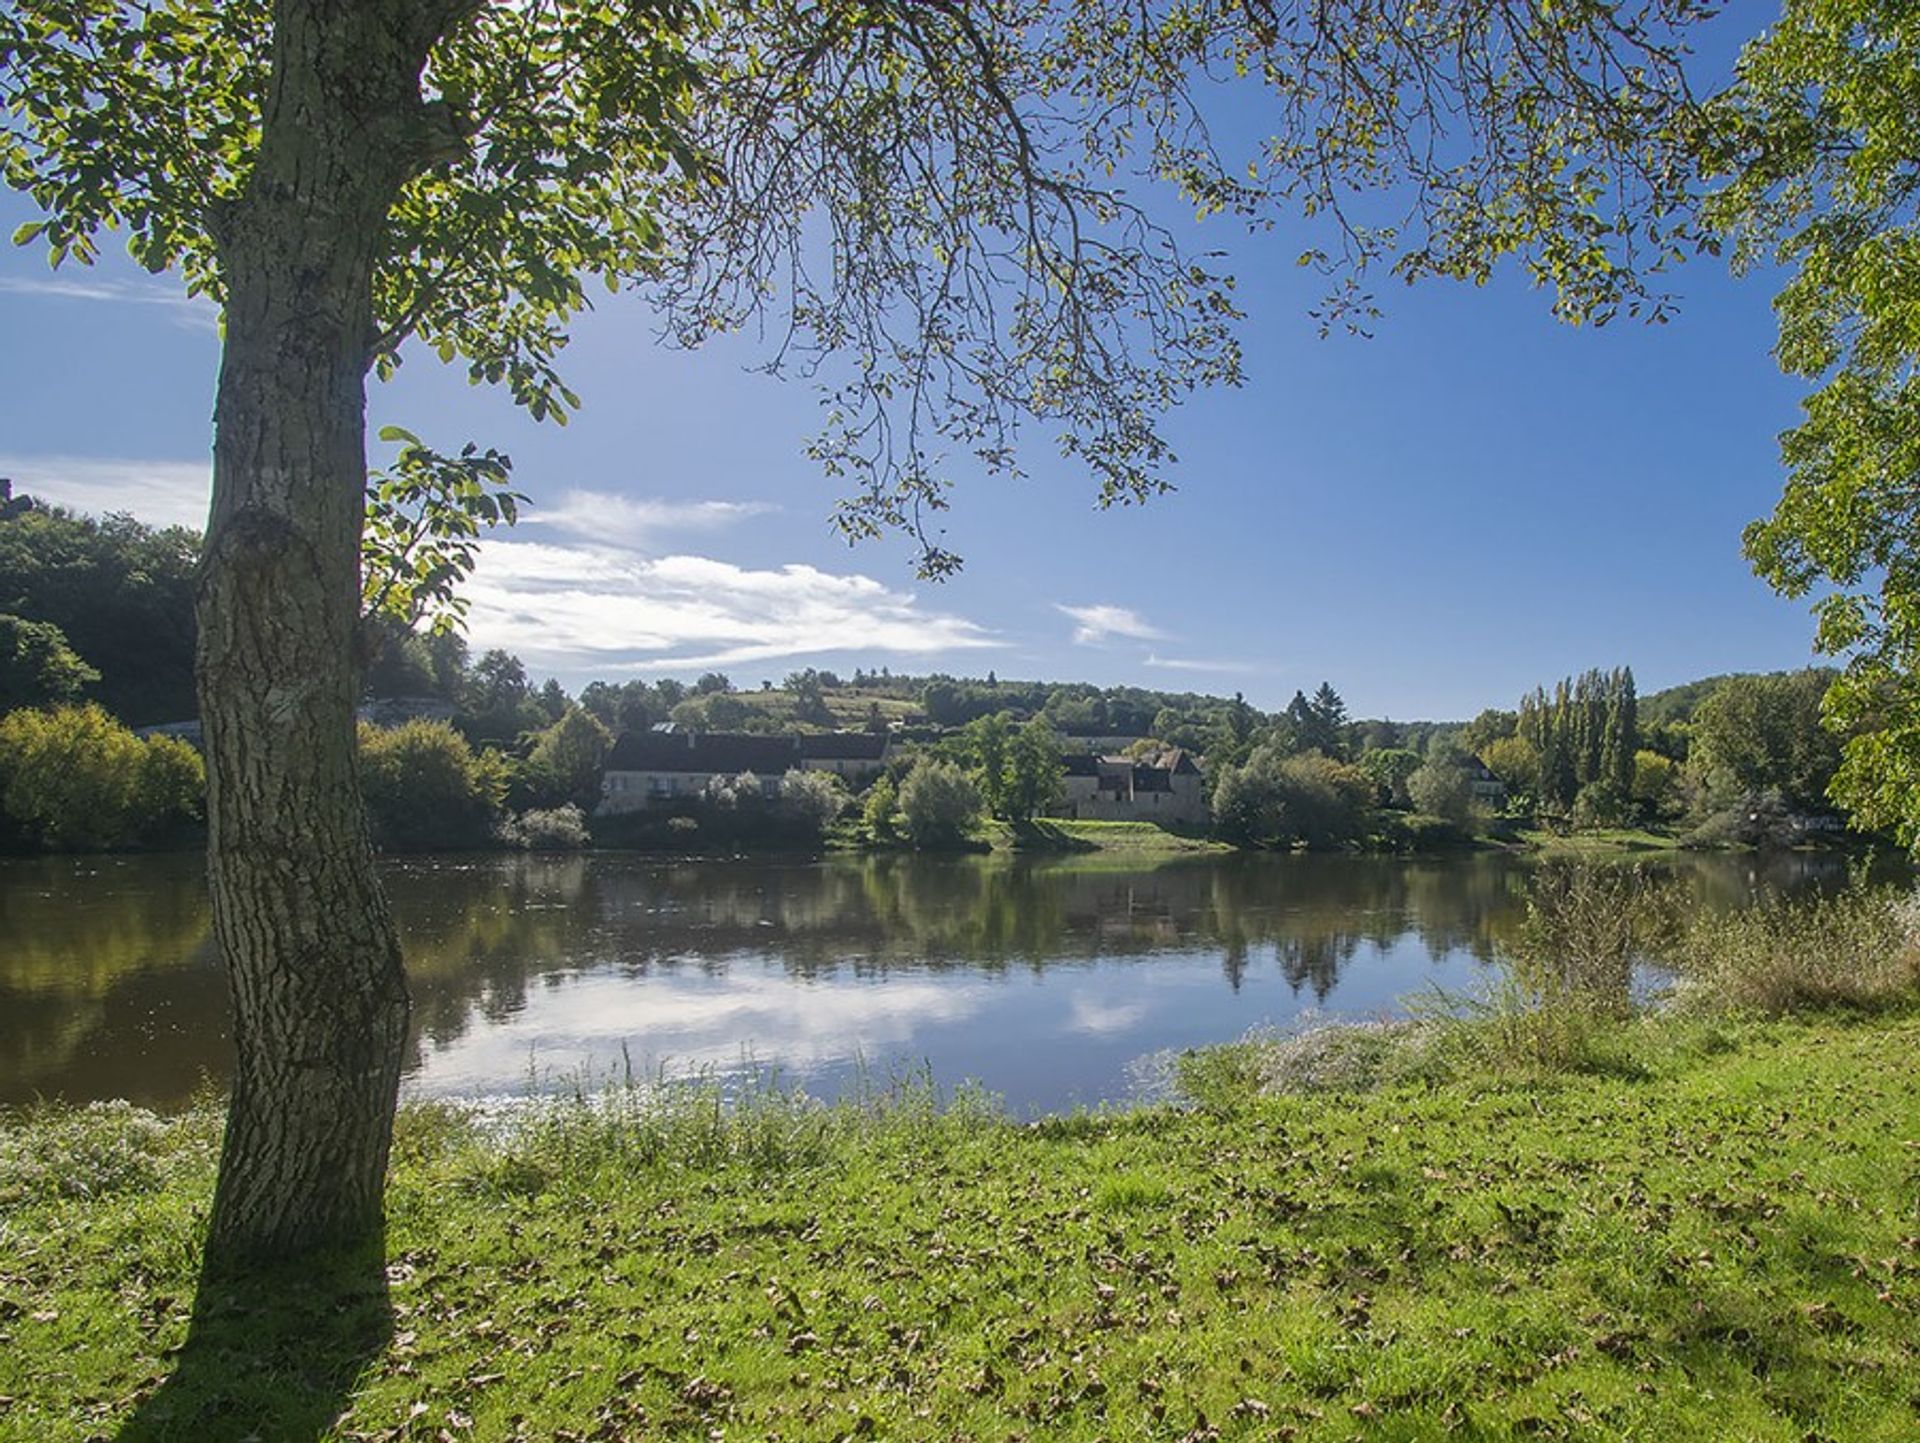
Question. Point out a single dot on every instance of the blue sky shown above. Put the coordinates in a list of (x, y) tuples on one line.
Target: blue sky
[(1476, 500)]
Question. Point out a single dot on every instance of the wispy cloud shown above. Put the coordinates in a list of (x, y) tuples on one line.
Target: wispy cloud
[(1185, 663), (162, 493), (195, 311), (613, 520), (1099, 623), (590, 607)]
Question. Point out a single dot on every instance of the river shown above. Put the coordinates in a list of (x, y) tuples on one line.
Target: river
[(1043, 980)]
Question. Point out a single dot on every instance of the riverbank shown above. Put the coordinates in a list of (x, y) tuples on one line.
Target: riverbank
[(1718, 1243)]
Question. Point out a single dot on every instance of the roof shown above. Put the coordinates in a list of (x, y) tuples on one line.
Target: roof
[(711, 752), (1080, 764)]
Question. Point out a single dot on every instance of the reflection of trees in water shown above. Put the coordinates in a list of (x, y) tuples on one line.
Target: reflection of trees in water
[(107, 988), (89, 991)]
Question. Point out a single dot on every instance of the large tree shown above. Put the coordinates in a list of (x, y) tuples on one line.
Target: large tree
[(1817, 144), (936, 191)]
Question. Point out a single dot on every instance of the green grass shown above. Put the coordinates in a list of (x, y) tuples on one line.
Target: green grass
[(1045, 834), (1600, 841), (1721, 1244)]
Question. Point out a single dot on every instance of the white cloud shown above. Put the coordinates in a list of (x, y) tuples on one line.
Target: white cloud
[(1098, 623), (1182, 663), (573, 607), (1102, 1018), (599, 1020), (161, 493), (609, 519), (195, 311)]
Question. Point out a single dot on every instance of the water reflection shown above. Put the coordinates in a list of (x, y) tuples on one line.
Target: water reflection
[(1039, 977)]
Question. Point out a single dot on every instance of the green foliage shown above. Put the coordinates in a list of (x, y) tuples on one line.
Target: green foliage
[(425, 787), (553, 829), (878, 808), (1765, 733), (1656, 785), (118, 592), (812, 799), (946, 151), (74, 779), (566, 762), (1275, 800), (498, 704), (1017, 770), (939, 804), (37, 667), (1587, 926), (423, 522), (1443, 787), (1515, 761), (1388, 769), (1858, 949), (1816, 154), (1588, 730)]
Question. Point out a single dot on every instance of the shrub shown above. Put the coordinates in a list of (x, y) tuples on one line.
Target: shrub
[(1442, 788), (555, 829), (1601, 804), (73, 778), (1586, 927), (425, 787), (1858, 948), (883, 799), (812, 800), (939, 804), (1276, 801), (565, 765)]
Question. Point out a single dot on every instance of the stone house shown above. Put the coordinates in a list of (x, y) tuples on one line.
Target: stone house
[(1121, 789), (650, 769)]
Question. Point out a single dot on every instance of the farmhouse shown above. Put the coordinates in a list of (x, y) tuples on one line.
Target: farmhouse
[(650, 769), (1121, 789)]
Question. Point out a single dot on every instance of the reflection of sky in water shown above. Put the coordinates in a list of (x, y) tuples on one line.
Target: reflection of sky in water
[(1042, 1039), (1041, 980)]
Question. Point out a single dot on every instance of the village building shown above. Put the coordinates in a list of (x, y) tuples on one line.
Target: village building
[(653, 768), (1166, 788), (1487, 789)]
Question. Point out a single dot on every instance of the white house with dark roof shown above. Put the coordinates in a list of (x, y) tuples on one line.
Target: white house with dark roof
[(1166, 788), (651, 769)]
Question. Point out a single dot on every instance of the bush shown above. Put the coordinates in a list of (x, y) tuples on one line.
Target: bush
[(1443, 788), (939, 804), (876, 812), (1417, 832), (1859, 948), (1753, 819), (555, 829), (425, 787), (565, 766), (1601, 804), (1307, 800), (1586, 928), (73, 778), (812, 800)]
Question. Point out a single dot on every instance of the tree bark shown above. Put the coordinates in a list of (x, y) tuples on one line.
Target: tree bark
[(319, 997)]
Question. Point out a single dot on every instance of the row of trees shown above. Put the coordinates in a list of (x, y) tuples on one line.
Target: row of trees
[(1582, 741)]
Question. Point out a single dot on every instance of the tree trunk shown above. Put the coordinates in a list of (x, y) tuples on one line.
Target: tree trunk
[(319, 998)]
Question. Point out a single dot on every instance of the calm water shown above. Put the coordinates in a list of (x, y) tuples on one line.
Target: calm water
[(1042, 980)]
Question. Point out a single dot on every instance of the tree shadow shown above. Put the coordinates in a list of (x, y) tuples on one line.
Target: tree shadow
[(273, 1355)]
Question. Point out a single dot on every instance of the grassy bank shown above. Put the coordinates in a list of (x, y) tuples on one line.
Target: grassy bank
[(1053, 834), (1604, 842), (1717, 1241)]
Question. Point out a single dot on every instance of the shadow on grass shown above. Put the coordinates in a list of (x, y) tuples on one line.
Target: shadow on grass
[(272, 1356), (1038, 835)]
